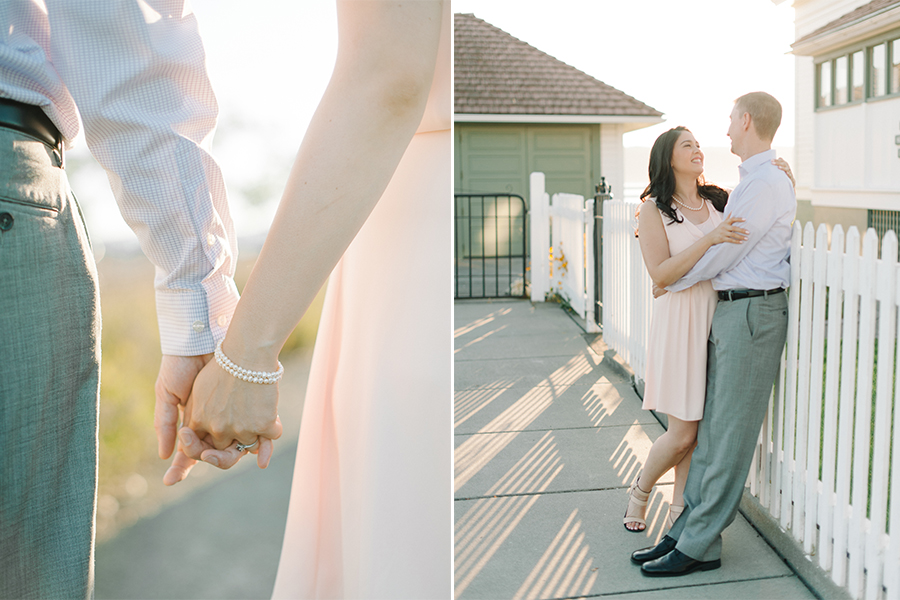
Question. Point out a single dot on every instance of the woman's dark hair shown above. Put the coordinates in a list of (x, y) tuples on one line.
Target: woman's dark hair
[(662, 177)]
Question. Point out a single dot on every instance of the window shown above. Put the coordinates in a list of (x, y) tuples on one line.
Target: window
[(825, 84), (861, 73), (840, 80), (878, 62), (857, 76), (895, 66)]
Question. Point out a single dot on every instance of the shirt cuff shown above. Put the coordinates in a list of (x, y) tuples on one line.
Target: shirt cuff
[(192, 323)]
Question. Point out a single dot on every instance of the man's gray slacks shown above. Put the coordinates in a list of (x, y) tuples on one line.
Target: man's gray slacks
[(49, 378), (745, 346)]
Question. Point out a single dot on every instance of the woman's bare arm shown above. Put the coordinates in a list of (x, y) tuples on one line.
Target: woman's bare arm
[(665, 269)]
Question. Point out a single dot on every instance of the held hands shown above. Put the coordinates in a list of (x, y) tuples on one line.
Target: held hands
[(220, 412)]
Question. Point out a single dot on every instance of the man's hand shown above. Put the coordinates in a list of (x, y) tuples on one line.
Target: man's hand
[(173, 388), (658, 291)]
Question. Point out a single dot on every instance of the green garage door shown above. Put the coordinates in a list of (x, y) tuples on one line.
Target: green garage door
[(499, 158)]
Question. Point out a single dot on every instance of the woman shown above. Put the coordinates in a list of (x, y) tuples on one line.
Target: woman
[(369, 511), (679, 220)]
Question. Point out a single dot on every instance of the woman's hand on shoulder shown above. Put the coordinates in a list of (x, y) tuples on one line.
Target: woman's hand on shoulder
[(784, 166), (727, 231)]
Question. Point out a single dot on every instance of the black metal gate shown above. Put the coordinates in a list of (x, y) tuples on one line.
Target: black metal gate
[(490, 246)]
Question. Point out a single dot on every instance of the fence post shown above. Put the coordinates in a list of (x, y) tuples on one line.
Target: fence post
[(591, 272), (540, 238), (602, 192)]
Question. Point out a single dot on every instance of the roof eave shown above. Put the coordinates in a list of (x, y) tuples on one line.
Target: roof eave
[(631, 122), (854, 31)]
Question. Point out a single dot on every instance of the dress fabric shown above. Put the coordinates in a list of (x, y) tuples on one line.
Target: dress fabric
[(370, 509), (675, 382)]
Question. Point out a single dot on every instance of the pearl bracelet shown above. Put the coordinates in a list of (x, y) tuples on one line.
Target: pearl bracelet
[(244, 374)]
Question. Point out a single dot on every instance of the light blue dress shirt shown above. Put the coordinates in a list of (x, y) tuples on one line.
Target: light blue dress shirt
[(765, 198), (135, 74)]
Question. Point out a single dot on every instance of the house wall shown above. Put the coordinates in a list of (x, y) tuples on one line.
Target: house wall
[(846, 157)]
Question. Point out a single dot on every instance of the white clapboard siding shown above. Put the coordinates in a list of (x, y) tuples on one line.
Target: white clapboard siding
[(826, 418)]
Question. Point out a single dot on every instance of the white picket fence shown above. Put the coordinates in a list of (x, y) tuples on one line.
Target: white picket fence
[(569, 271), (627, 297), (821, 438)]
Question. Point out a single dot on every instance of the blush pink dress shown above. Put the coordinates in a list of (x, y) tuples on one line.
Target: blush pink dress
[(370, 508), (675, 381)]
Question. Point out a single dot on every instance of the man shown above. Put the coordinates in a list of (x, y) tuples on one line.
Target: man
[(745, 344), (134, 72)]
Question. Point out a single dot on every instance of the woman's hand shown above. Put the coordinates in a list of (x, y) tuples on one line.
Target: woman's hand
[(223, 411), (784, 166), (727, 231)]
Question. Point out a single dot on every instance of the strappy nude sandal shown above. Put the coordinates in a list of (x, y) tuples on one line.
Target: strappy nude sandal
[(636, 498), (674, 512)]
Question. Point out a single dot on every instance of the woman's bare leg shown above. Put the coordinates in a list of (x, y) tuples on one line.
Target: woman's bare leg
[(681, 474), (667, 451)]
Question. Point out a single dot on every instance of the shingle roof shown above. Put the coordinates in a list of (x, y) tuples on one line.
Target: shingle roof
[(495, 73), (858, 14)]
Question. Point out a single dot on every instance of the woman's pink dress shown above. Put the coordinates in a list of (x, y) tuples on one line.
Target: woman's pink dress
[(675, 381), (370, 507)]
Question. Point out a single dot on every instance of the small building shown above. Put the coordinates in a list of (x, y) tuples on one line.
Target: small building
[(847, 157), (519, 110)]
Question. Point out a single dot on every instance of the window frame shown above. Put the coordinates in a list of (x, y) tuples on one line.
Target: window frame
[(867, 47)]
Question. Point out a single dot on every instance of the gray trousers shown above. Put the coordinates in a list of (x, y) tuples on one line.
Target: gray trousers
[(49, 378), (745, 346)]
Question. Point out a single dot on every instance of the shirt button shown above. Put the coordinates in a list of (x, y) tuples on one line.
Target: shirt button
[(210, 239), (198, 326), (6, 221), (222, 320)]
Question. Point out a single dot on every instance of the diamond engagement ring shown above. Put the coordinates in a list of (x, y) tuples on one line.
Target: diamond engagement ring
[(242, 447)]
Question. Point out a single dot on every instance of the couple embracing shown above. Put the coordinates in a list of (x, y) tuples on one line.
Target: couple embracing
[(719, 326)]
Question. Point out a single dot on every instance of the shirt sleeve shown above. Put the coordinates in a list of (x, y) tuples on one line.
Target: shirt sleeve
[(138, 75), (752, 204)]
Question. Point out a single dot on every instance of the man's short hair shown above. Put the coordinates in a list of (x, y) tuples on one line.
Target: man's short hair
[(764, 110)]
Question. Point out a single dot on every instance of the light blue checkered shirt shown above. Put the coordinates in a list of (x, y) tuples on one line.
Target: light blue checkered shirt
[(135, 72)]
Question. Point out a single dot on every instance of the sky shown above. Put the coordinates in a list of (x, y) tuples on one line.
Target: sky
[(269, 66)]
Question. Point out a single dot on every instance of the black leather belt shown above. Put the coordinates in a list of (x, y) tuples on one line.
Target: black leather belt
[(741, 294), (30, 120)]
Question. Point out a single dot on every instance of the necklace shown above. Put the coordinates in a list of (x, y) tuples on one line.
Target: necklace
[(675, 198)]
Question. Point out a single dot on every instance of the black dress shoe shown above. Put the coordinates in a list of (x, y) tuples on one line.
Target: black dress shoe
[(665, 546), (677, 563)]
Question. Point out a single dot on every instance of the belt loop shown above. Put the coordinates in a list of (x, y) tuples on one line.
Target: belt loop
[(730, 297)]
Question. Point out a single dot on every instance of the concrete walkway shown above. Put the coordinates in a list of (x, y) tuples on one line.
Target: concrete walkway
[(548, 435)]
